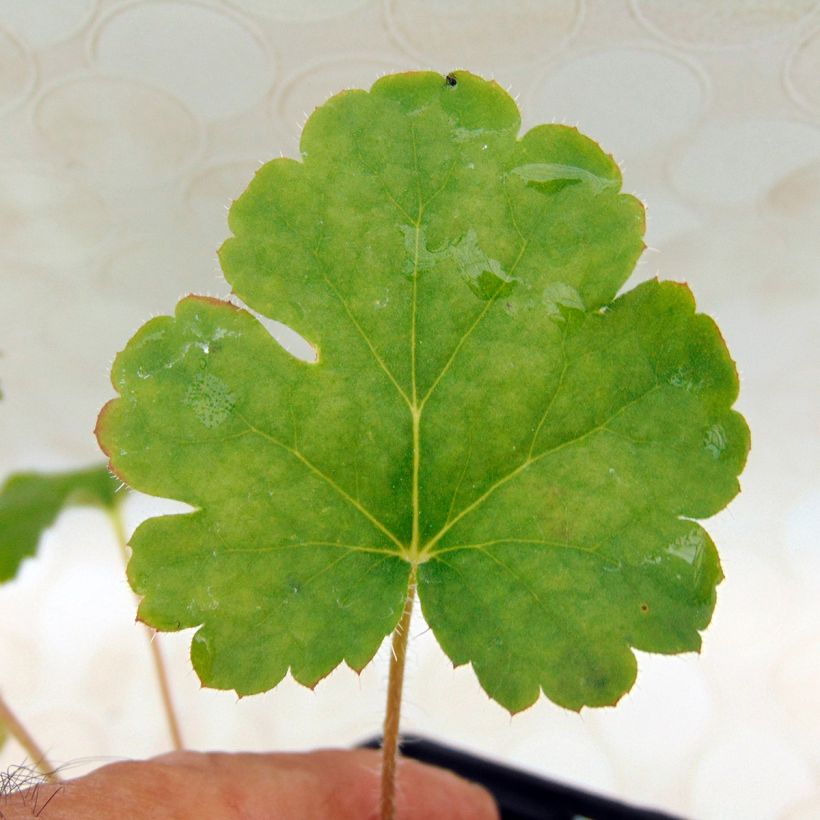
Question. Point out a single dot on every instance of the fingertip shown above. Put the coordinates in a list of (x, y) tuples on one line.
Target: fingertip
[(476, 802), (425, 791)]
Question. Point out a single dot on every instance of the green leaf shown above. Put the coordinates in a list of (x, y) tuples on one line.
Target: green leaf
[(31, 502), (482, 416)]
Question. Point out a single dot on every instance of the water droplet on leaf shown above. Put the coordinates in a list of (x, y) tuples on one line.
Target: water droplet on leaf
[(210, 398), (545, 172), (715, 440), (560, 297)]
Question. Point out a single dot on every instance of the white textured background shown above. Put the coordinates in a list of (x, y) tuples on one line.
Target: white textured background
[(125, 130)]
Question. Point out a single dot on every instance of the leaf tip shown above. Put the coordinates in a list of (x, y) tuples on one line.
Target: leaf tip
[(209, 300), (102, 417), (357, 669), (512, 711)]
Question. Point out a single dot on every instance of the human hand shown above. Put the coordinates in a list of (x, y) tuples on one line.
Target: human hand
[(323, 785)]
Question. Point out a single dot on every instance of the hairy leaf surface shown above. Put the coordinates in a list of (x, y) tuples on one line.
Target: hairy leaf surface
[(30, 503), (484, 415)]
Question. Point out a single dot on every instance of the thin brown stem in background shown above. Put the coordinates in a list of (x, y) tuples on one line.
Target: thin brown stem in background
[(156, 651), (19, 732)]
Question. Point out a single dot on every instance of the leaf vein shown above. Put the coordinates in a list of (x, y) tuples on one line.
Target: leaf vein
[(490, 302), (555, 393), (295, 544), (320, 474), (529, 462), (482, 547)]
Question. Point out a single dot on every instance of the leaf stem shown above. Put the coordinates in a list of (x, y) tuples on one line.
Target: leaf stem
[(393, 713), (19, 732), (153, 645)]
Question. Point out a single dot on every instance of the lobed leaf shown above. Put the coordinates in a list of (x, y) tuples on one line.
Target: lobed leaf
[(484, 417), (30, 503)]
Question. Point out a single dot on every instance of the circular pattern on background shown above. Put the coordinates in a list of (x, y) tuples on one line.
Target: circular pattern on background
[(124, 131), (803, 72), (629, 100), (150, 275), (736, 163), (796, 197), (301, 93), (46, 218), (204, 56), (210, 193), (711, 24), (666, 218), (17, 72), (298, 11), (794, 205), (44, 25), (482, 35)]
